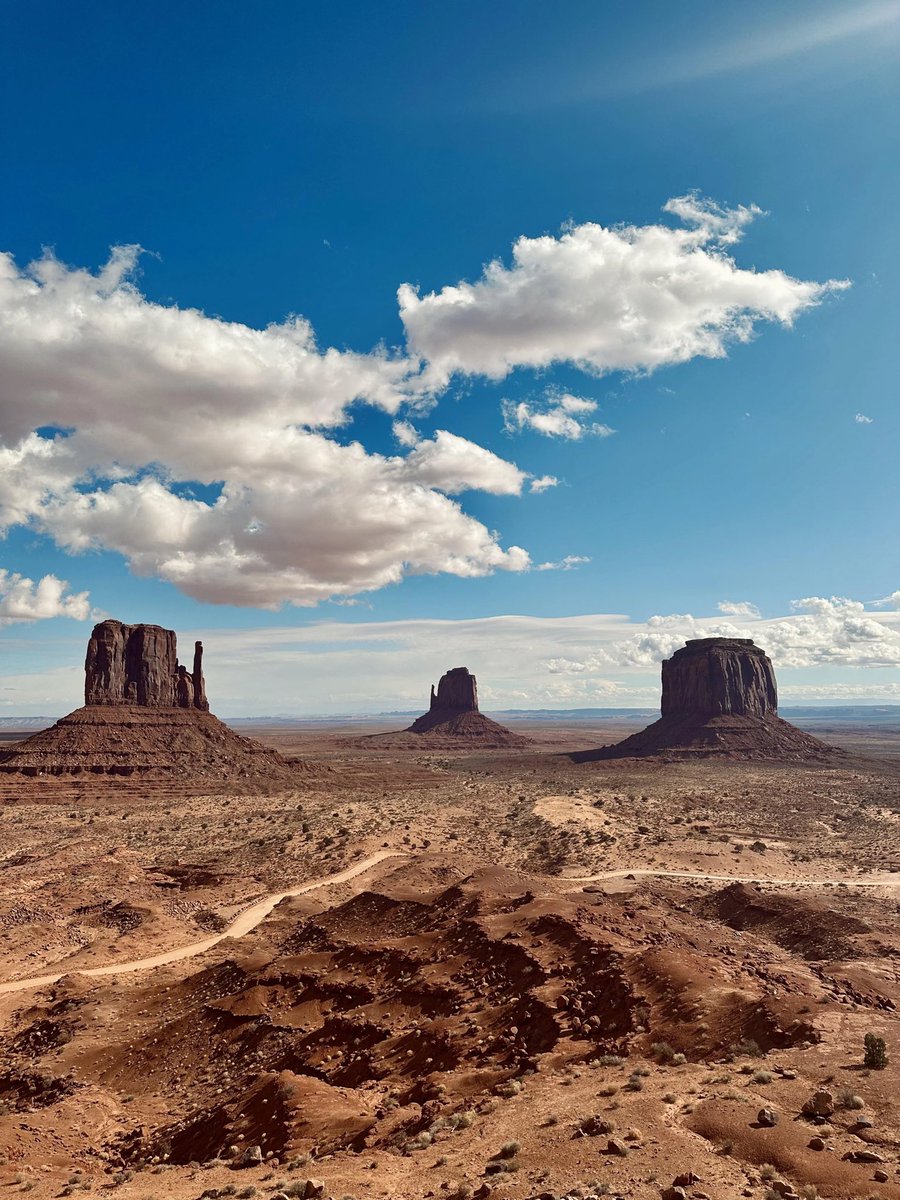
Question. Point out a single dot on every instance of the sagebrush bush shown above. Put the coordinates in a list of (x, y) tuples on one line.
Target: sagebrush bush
[(875, 1057)]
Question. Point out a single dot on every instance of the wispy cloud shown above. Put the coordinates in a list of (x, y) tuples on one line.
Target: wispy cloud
[(557, 415), (739, 608), (569, 563), (757, 47), (862, 419)]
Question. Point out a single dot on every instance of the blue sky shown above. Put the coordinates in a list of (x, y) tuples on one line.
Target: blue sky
[(301, 159)]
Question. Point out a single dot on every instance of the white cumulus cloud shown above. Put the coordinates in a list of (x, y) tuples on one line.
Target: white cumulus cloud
[(149, 398), (23, 599), (626, 298), (821, 632), (207, 454)]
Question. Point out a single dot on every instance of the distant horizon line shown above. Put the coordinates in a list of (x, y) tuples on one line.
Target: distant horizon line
[(817, 706)]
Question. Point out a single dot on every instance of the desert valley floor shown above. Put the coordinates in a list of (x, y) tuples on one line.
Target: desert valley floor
[(453, 972)]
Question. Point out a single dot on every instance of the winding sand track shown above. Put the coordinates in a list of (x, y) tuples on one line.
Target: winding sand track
[(246, 920), (255, 914)]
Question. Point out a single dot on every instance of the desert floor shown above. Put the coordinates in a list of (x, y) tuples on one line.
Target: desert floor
[(444, 973)]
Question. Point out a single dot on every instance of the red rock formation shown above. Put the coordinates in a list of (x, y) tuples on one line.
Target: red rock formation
[(710, 677), (147, 715), (457, 691), (199, 698), (138, 664), (453, 716), (718, 697)]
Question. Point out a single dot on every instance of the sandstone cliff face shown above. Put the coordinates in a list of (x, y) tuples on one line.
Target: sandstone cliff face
[(138, 664), (457, 690), (713, 677)]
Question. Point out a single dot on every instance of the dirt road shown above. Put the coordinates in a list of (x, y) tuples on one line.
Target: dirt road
[(246, 920), (252, 916)]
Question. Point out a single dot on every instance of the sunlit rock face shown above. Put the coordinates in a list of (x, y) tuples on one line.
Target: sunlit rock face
[(138, 664)]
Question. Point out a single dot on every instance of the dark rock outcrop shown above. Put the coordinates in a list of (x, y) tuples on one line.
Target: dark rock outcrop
[(138, 664), (712, 677), (453, 719), (718, 697), (457, 691)]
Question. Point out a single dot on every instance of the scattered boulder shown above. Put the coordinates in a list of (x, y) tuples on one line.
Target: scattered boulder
[(595, 1125), (767, 1117), (816, 1143), (863, 1156), (783, 1188), (673, 1193), (617, 1146), (686, 1179), (820, 1104), (252, 1157)]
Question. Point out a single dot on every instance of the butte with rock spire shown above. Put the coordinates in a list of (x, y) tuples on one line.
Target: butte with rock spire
[(453, 719), (145, 714)]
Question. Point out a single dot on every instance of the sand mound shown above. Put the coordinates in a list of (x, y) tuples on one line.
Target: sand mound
[(443, 993), (803, 926), (135, 740)]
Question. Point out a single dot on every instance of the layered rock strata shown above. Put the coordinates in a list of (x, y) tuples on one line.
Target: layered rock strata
[(145, 714), (712, 677), (138, 664), (718, 697)]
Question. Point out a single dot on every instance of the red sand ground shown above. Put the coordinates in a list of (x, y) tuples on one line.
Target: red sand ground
[(558, 958)]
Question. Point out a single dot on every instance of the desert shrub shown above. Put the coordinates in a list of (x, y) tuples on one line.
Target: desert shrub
[(762, 1077), (662, 1052), (875, 1057), (746, 1048), (510, 1089), (847, 1098), (508, 1150)]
